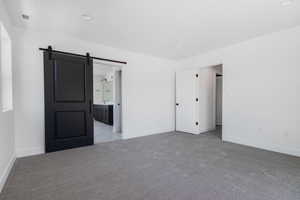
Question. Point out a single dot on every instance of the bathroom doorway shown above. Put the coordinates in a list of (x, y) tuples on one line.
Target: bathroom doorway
[(107, 102)]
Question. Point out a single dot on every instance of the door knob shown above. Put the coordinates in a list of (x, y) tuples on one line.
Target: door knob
[(177, 104)]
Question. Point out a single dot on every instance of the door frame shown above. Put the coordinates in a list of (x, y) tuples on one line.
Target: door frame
[(116, 68), (118, 94)]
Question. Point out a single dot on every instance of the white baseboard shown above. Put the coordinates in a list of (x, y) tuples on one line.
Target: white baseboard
[(24, 152), (206, 130), (29, 152), (4, 176), (142, 134), (268, 147)]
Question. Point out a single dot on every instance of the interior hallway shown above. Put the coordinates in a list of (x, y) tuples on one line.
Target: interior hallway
[(173, 166)]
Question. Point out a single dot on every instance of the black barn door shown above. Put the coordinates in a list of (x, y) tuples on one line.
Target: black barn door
[(68, 101)]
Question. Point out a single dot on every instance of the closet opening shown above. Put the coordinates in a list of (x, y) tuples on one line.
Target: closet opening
[(219, 100)]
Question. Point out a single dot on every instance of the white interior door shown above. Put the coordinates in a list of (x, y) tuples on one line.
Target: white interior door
[(117, 127), (207, 99), (186, 101)]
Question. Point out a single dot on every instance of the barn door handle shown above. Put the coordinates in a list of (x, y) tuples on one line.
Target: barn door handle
[(90, 102)]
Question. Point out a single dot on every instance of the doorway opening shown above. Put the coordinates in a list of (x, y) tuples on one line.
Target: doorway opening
[(107, 98), (219, 99)]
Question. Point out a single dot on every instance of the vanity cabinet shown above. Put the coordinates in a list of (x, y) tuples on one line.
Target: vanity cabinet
[(103, 113)]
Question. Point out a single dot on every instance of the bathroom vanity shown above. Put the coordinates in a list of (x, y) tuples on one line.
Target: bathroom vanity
[(103, 113)]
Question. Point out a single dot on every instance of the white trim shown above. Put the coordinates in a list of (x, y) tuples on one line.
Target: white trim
[(6, 172), (148, 133), (268, 147), (203, 131), (29, 152)]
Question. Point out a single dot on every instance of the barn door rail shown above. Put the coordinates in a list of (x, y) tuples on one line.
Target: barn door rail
[(50, 50)]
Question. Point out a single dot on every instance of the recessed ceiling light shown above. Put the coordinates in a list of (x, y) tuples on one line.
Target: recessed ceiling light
[(286, 2), (86, 17), (26, 17)]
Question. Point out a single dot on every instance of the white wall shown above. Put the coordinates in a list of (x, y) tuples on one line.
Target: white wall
[(261, 87), (7, 151), (147, 86)]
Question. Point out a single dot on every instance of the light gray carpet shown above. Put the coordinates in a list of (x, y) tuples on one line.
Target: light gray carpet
[(173, 166)]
